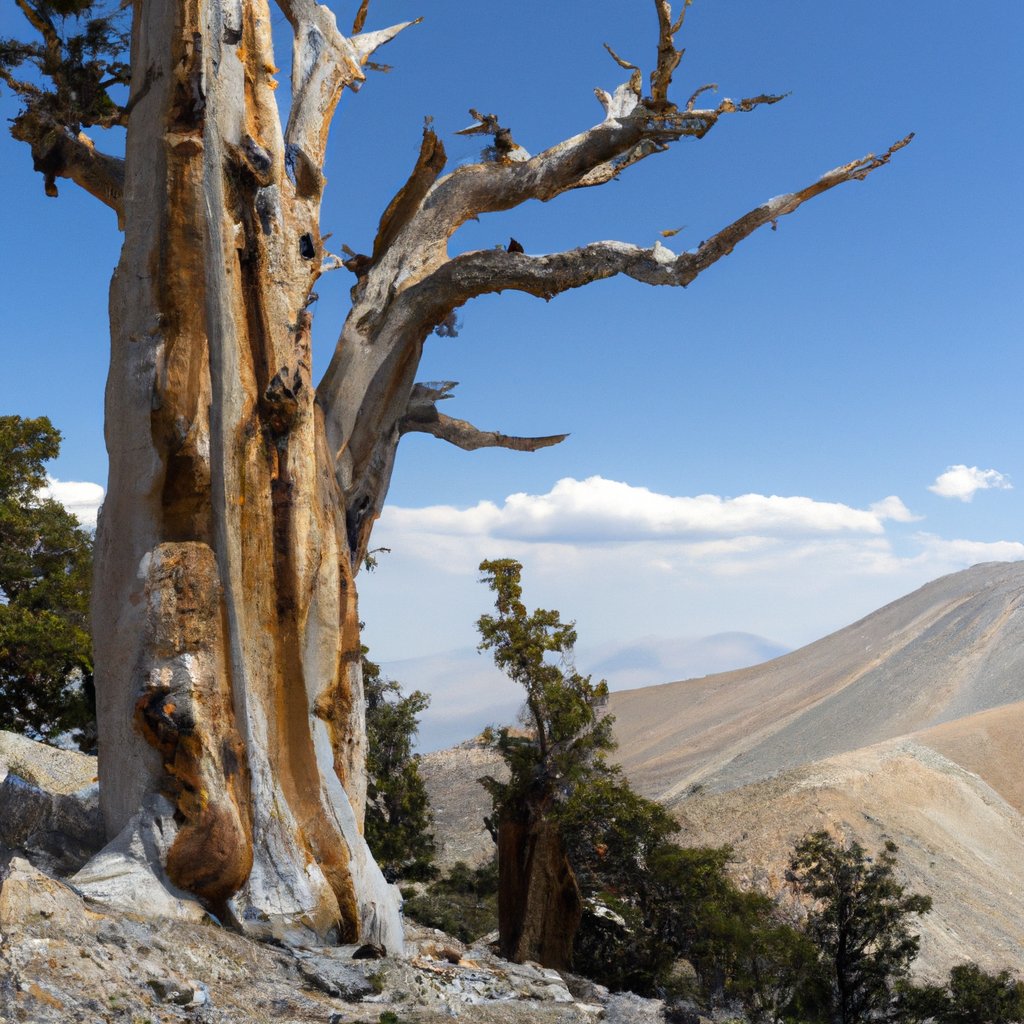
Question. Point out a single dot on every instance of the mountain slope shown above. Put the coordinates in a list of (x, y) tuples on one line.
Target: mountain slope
[(959, 841), (906, 725), (949, 650)]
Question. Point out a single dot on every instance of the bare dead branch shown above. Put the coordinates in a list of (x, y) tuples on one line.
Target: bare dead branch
[(628, 134), (24, 89), (402, 208), (360, 21), (710, 87), (469, 438), (57, 152), (624, 64), (636, 76), (367, 43), (493, 270), (668, 55), (324, 62)]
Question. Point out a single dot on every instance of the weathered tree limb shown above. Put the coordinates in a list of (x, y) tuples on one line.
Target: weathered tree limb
[(422, 417), (24, 89), (469, 438), (324, 62), (45, 27), (407, 201), (668, 56), (629, 133), (57, 152), (492, 270), (410, 285)]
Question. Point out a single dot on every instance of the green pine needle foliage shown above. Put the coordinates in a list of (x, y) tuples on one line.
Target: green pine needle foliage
[(860, 923), (45, 572), (398, 820)]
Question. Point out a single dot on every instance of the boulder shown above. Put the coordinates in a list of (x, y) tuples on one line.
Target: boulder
[(123, 875), (57, 832), (49, 768), (28, 896)]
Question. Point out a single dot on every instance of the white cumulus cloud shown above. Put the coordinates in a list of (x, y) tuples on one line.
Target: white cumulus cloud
[(963, 481), (597, 509), (627, 561), (81, 498)]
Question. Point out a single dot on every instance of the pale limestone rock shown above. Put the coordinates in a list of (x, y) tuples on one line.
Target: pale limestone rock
[(125, 875), (28, 896), (50, 768)]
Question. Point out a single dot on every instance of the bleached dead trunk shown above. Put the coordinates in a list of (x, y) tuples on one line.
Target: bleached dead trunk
[(226, 627)]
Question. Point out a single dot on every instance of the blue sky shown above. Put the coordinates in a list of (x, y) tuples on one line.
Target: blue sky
[(841, 362)]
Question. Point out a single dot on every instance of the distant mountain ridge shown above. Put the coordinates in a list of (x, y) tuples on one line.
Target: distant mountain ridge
[(469, 693)]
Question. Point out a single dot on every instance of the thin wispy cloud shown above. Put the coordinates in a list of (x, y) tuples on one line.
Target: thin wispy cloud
[(964, 482)]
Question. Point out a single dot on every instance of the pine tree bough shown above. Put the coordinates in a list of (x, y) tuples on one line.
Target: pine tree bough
[(241, 497)]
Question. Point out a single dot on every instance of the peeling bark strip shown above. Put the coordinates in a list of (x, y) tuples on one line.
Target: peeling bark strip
[(241, 499)]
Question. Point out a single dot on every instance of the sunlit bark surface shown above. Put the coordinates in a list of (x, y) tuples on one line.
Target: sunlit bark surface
[(241, 496)]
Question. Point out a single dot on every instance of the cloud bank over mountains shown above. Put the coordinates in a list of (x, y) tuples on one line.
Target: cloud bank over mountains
[(626, 561), (598, 510)]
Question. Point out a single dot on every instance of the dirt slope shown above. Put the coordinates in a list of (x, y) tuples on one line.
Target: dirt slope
[(949, 650), (959, 841)]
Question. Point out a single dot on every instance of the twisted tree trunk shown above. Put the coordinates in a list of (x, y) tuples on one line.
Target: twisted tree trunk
[(241, 498), (226, 627), (539, 899)]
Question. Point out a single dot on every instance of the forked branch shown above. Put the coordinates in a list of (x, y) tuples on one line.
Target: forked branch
[(324, 62), (668, 55), (630, 132), (422, 417), (494, 270)]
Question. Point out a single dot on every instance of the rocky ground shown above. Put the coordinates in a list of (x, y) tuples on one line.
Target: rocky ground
[(65, 958), (458, 801), (62, 960)]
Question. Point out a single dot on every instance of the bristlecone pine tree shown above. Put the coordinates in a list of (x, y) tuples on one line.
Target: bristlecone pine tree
[(241, 496), (539, 898)]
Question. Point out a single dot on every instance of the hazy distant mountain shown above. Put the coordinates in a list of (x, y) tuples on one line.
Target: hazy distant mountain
[(906, 725), (654, 658), (468, 692)]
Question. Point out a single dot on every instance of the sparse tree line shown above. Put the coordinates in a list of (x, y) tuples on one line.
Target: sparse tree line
[(587, 874)]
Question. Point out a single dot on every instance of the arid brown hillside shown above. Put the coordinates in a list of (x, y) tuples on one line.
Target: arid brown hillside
[(946, 652)]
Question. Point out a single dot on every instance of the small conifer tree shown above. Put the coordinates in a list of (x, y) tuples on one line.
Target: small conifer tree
[(398, 819), (859, 922)]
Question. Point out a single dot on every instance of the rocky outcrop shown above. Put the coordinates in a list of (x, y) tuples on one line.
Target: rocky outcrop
[(63, 960), (57, 831), (49, 804)]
